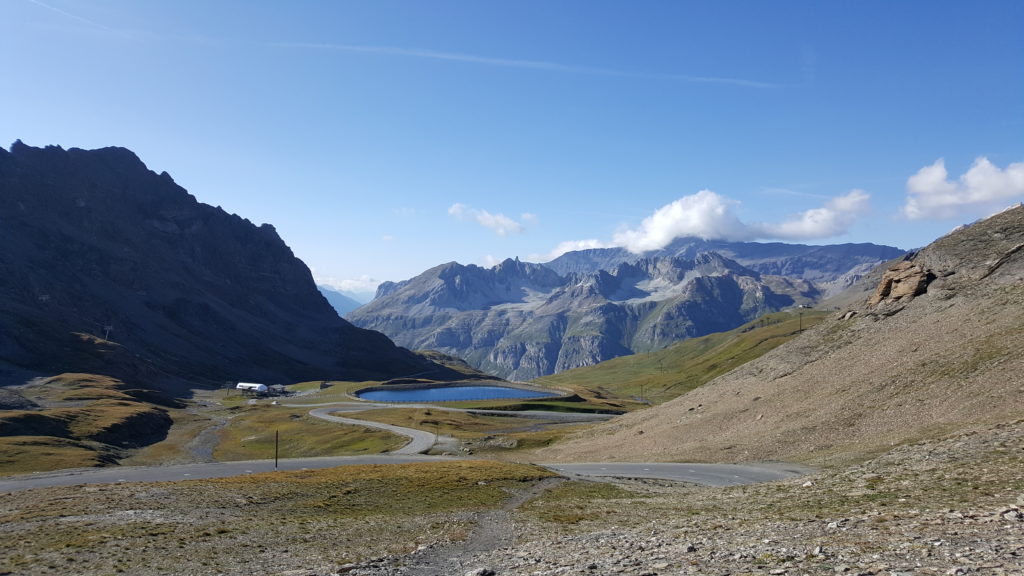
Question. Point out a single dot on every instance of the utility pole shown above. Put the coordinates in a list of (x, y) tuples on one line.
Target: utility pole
[(801, 316), (277, 438)]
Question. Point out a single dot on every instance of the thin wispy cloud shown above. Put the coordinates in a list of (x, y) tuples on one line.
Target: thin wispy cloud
[(67, 14), (362, 284), (501, 225), (790, 192), (526, 64)]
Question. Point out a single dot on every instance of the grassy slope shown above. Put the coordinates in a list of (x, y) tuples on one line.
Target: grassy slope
[(85, 420), (845, 391), (612, 386), (660, 376), (633, 382), (250, 436), (479, 433), (458, 424)]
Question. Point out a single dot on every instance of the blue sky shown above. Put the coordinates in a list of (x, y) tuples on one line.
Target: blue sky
[(383, 138)]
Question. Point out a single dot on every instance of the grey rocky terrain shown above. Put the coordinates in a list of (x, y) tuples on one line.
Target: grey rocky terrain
[(947, 507), (521, 321)]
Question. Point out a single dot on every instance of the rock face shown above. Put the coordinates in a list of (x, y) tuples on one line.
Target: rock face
[(901, 282), (521, 320), (107, 267)]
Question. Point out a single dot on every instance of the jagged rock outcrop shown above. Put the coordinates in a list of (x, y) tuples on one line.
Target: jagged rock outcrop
[(108, 267), (521, 320), (900, 283)]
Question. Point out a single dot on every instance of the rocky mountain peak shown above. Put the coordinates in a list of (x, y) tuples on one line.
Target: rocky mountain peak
[(93, 239), (523, 320)]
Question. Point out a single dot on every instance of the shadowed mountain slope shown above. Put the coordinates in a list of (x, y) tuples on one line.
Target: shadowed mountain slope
[(107, 267), (938, 350)]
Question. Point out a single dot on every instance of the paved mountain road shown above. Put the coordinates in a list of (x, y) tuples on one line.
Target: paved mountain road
[(194, 471), (707, 474), (420, 441)]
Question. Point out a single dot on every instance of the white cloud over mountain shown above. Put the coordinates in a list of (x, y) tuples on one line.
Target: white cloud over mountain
[(569, 246), (501, 225), (833, 219), (704, 214), (711, 216), (932, 195)]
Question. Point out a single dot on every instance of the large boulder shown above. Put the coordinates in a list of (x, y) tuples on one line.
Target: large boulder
[(901, 282)]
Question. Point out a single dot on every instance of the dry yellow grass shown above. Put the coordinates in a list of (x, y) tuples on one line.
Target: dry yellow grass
[(85, 420), (250, 435), (260, 524), (448, 423), (22, 454)]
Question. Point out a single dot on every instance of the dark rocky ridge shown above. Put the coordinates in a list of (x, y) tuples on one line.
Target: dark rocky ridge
[(92, 238)]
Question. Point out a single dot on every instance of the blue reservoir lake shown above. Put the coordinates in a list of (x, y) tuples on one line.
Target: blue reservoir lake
[(451, 394)]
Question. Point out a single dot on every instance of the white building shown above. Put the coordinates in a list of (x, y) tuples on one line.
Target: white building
[(252, 387)]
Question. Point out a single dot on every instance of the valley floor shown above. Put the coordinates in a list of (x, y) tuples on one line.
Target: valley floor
[(950, 506)]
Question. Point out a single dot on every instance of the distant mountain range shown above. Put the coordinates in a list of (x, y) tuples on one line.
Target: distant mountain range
[(831, 268), (521, 320), (107, 267), (341, 302)]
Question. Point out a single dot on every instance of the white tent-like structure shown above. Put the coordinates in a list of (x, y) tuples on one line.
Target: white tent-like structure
[(252, 387)]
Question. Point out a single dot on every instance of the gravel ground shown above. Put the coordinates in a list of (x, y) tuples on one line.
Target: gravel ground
[(950, 506), (941, 507)]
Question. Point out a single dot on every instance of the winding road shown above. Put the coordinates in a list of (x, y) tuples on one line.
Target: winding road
[(195, 471), (420, 441)]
